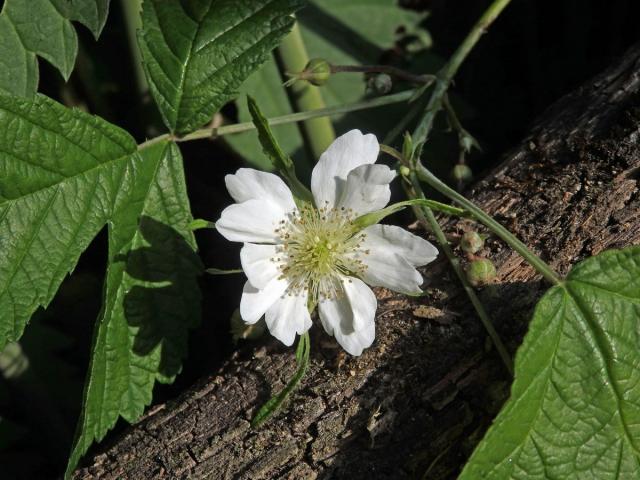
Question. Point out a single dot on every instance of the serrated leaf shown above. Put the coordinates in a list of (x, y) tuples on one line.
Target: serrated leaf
[(31, 28), (352, 33), (574, 411), (65, 174), (151, 299), (198, 52), (61, 172)]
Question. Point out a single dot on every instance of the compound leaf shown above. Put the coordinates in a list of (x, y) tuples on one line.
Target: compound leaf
[(198, 52), (574, 411)]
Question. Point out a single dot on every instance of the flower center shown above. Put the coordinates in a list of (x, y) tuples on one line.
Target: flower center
[(318, 248)]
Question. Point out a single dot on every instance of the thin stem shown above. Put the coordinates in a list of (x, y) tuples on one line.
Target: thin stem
[(445, 76), (292, 117), (388, 69), (427, 218), (317, 132), (545, 270)]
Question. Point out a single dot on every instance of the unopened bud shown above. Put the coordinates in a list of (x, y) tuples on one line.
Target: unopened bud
[(380, 84), (481, 272), (471, 242), (466, 142), (317, 72), (462, 173), (404, 171)]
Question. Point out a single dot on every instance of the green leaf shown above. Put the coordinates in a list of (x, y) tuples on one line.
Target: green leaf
[(354, 32), (31, 28), (197, 53), (151, 299), (64, 175), (574, 411), (61, 172)]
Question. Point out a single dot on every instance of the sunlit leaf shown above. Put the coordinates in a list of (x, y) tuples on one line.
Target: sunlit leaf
[(197, 53), (574, 411)]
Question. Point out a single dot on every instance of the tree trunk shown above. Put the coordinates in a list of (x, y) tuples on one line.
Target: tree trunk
[(421, 397)]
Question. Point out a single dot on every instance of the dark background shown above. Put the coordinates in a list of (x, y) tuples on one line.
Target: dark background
[(537, 51)]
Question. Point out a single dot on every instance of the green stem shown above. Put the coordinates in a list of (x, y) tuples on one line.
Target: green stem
[(545, 270), (131, 12), (445, 76), (426, 216), (290, 118), (318, 132)]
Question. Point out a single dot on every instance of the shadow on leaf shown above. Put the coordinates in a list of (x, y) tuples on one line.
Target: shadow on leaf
[(163, 302)]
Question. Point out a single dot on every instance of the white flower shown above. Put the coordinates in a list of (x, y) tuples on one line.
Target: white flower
[(300, 257)]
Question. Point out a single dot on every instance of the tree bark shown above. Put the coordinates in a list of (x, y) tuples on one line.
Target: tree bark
[(421, 397)]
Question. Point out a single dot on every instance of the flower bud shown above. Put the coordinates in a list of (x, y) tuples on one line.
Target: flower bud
[(317, 72), (481, 272), (471, 242), (467, 143), (462, 173), (404, 171), (380, 84)]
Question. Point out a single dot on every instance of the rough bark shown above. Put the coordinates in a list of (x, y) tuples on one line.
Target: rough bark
[(420, 398)]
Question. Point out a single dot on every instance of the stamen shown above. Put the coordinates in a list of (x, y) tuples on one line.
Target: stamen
[(317, 249)]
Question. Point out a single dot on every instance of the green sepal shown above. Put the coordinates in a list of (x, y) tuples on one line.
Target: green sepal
[(373, 218), (281, 161)]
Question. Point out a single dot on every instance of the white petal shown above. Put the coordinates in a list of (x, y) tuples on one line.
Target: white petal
[(258, 265), (288, 316), (367, 188), (390, 270), (250, 184), (391, 239), (255, 302), (347, 152), (351, 317), (253, 221)]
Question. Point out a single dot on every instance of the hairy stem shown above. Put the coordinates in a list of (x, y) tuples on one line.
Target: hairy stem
[(318, 132), (545, 270), (425, 215)]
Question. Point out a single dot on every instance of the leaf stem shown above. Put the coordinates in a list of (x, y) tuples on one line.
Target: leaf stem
[(427, 218), (318, 132), (545, 270)]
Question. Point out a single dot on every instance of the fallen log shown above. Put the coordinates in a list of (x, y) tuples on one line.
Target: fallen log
[(421, 397)]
